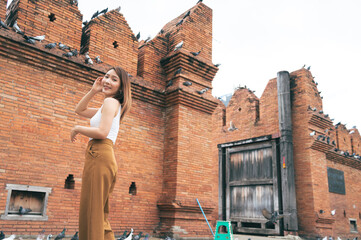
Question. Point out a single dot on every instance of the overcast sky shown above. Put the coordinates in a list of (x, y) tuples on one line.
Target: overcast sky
[(254, 39)]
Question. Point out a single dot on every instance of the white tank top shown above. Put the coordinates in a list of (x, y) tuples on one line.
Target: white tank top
[(114, 129)]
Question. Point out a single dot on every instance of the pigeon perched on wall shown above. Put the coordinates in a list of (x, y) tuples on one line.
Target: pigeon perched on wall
[(17, 29), (50, 45), (49, 236), (313, 133), (63, 46), (2, 235), (23, 211), (103, 11), (203, 91), (232, 127), (38, 38), (170, 83), (178, 46), (68, 54), (75, 52), (186, 83), (196, 53), (74, 2), (3, 25), (199, 1), (187, 14), (75, 237), (124, 236), (95, 14), (146, 237), (333, 212), (138, 36), (178, 71), (179, 23), (138, 236), (61, 235), (130, 235), (272, 217), (29, 40), (97, 59), (88, 60), (12, 237)]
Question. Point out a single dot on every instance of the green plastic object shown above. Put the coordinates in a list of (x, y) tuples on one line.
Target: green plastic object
[(223, 231)]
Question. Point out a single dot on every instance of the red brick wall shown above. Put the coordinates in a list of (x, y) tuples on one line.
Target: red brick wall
[(33, 18), (3, 4), (164, 144), (102, 32)]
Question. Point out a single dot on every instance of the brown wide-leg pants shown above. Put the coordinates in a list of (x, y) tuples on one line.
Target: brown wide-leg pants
[(98, 181)]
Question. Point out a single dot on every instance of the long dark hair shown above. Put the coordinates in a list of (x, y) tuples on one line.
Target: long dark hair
[(124, 94)]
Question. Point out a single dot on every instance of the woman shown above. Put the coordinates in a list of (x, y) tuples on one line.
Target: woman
[(100, 167)]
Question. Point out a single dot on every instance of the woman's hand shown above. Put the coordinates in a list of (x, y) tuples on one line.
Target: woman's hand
[(73, 134), (97, 85)]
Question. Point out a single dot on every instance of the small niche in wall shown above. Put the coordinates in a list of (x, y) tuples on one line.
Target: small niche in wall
[(69, 182), (26, 202), (353, 225), (133, 189)]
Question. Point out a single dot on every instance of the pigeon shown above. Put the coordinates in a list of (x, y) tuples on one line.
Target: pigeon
[(179, 23), (95, 15), (199, 1), (232, 127), (130, 235), (123, 236), (217, 65), (75, 237), (38, 38), (28, 39), (326, 115), (12, 237), (196, 53), (179, 70), (89, 61), (161, 31), (333, 212), (320, 112), (50, 45), (203, 91), (61, 235), (118, 9), (309, 67), (325, 238), (333, 143), (146, 237), (137, 237), (352, 131), (24, 210), (85, 23), (74, 2), (178, 46), (187, 83), (2, 235), (138, 36), (68, 54), (146, 40), (49, 236), (170, 83), (41, 235), (63, 46), (103, 11), (187, 14), (97, 59), (272, 217), (74, 52), (313, 133), (17, 29), (2, 24), (328, 140)]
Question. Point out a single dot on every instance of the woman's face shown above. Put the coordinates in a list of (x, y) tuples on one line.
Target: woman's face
[(111, 83)]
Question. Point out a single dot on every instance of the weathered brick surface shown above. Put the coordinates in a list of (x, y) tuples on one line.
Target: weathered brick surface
[(115, 44), (311, 156), (33, 18), (3, 4)]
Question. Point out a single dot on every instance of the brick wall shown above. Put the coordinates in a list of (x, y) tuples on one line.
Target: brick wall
[(3, 4), (164, 144)]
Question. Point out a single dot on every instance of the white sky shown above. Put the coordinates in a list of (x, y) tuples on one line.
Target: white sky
[(254, 39)]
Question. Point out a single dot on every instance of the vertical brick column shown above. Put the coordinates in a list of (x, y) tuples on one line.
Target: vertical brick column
[(3, 4)]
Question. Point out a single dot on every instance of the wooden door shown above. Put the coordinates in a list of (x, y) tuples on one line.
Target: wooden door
[(252, 185)]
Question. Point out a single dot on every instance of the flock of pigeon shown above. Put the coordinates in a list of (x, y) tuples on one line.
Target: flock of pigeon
[(61, 235), (327, 139)]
